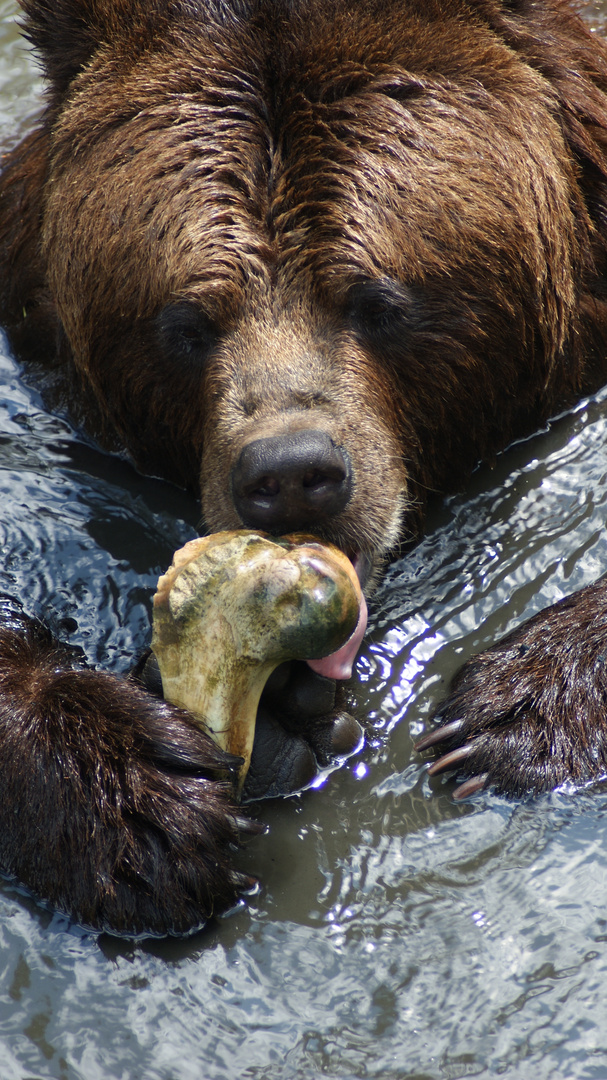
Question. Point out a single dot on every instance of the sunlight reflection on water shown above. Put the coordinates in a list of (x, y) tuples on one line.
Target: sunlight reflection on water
[(396, 933)]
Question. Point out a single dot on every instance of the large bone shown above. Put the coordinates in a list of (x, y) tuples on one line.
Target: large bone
[(235, 605)]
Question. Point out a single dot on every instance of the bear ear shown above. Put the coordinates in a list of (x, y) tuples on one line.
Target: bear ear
[(67, 33)]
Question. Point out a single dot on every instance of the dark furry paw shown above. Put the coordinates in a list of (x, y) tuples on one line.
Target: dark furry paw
[(303, 724), (531, 712), (115, 808)]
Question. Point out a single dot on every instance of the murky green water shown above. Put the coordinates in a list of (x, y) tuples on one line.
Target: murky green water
[(396, 934)]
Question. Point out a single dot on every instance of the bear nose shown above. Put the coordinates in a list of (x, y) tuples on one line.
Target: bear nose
[(291, 482)]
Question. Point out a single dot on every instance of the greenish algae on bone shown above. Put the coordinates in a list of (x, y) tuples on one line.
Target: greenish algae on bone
[(235, 605)]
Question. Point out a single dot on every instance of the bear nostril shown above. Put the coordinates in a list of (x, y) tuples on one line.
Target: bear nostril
[(314, 479), (292, 481), (267, 486)]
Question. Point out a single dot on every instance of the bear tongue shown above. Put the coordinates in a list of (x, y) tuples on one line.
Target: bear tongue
[(339, 664)]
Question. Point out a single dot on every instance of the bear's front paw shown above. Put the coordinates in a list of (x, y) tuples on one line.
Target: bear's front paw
[(531, 712), (303, 724), (116, 808)]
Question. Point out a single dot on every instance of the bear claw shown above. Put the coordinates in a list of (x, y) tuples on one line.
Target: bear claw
[(471, 787), (438, 735), (452, 759)]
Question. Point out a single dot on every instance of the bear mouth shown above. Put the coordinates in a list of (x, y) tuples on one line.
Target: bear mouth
[(362, 563)]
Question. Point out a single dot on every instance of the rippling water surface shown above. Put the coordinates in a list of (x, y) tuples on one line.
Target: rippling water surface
[(396, 934)]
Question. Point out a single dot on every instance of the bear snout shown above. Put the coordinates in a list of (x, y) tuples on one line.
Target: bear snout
[(295, 481)]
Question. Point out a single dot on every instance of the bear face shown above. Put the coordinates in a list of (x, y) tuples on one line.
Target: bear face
[(317, 260)]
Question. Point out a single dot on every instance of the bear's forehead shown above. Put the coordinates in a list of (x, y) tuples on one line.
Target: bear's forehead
[(332, 156), (336, 77)]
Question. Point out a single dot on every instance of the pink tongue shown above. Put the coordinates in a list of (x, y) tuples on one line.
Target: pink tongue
[(339, 664)]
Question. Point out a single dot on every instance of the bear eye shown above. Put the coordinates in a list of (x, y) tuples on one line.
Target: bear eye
[(377, 306), (185, 331)]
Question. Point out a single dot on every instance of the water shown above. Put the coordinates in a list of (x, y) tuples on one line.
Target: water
[(396, 934)]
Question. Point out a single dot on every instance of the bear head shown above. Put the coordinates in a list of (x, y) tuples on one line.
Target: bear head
[(316, 258)]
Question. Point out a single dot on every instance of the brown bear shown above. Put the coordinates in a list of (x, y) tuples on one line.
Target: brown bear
[(314, 259)]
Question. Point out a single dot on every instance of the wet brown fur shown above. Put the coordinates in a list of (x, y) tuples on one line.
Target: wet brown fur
[(115, 807), (532, 708), (384, 219)]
